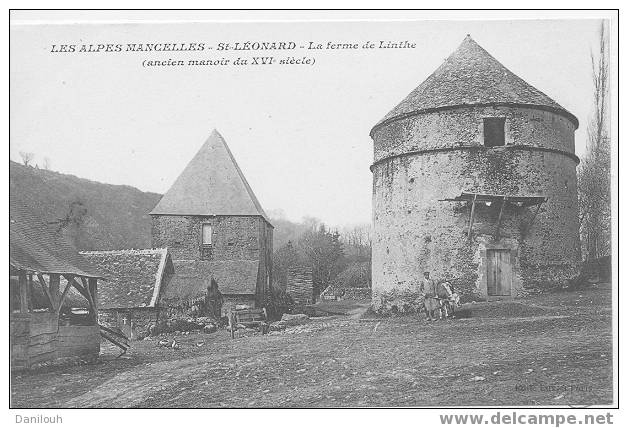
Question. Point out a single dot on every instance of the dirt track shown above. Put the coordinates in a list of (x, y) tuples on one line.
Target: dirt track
[(549, 350)]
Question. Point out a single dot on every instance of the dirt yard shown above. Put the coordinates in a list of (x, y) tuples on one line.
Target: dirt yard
[(547, 350)]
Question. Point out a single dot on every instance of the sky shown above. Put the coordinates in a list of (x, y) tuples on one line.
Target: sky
[(300, 133)]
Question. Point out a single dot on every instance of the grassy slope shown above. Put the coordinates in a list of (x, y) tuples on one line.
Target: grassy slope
[(117, 216)]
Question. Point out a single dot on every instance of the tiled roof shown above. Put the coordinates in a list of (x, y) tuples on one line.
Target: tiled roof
[(471, 76), (134, 278), (192, 277), (211, 184), (34, 247)]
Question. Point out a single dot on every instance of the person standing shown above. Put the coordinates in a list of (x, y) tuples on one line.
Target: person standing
[(428, 289)]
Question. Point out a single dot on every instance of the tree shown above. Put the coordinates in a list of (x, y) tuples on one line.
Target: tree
[(324, 252), (357, 240), (46, 163), (27, 157), (594, 174)]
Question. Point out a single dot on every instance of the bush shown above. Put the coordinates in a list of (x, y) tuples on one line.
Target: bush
[(278, 303), (356, 275)]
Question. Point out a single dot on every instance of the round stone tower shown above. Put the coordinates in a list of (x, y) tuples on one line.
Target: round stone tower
[(474, 180)]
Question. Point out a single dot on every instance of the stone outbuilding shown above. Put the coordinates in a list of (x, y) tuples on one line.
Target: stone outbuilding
[(131, 293), (474, 180), (214, 227)]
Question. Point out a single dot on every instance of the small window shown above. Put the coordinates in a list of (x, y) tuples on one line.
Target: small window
[(494, 132), (207, 234)]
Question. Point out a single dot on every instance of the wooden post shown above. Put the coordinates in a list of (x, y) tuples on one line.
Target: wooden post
[(499, 218), (45, 288), (54, 281), (23, 286), (30, 291), (472, 217), (93, 291)]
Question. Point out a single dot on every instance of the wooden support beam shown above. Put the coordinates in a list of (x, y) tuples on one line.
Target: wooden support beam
[(472, 216), (44, 287), (65, 292), (81, 290), (499, 218), (23, 286)]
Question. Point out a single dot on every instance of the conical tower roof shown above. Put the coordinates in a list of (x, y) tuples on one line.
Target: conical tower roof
[(211, 184), (471, 76)]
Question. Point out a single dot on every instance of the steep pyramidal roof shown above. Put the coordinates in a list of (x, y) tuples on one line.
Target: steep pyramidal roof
[(211, 184), (471, 76)]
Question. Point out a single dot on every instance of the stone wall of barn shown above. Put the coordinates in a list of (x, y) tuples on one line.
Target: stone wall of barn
[(135, 323), (423, 159)]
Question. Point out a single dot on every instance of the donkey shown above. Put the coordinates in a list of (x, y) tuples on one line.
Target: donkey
[(448, 299)]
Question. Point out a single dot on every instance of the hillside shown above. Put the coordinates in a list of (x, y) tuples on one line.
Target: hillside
[(106, 216)]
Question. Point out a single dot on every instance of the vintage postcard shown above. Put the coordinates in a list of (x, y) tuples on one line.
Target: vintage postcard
[(312, 210)]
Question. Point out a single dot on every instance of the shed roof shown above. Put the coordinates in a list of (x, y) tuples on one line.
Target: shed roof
[(471, 76), (134, 278), (525, 201), (192, 277), (34, 247), (211, 184)]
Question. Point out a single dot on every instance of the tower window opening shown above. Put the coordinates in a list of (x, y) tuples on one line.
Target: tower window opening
[(206, 242), (494, 134)]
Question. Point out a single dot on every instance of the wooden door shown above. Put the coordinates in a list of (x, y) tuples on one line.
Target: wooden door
[(499, 273)]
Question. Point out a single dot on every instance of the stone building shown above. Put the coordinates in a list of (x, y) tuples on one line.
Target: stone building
[(214, 227), (474, 179), (131, 293)]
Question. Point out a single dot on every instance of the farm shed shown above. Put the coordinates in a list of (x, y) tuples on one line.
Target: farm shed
[(130, 295), (44, 329), (474, 179)]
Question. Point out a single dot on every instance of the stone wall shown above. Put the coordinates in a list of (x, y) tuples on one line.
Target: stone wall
[(300, 285), (134, 322), (415, 230), (463, 127), (233, 237), (231, 301), (353, 293)]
